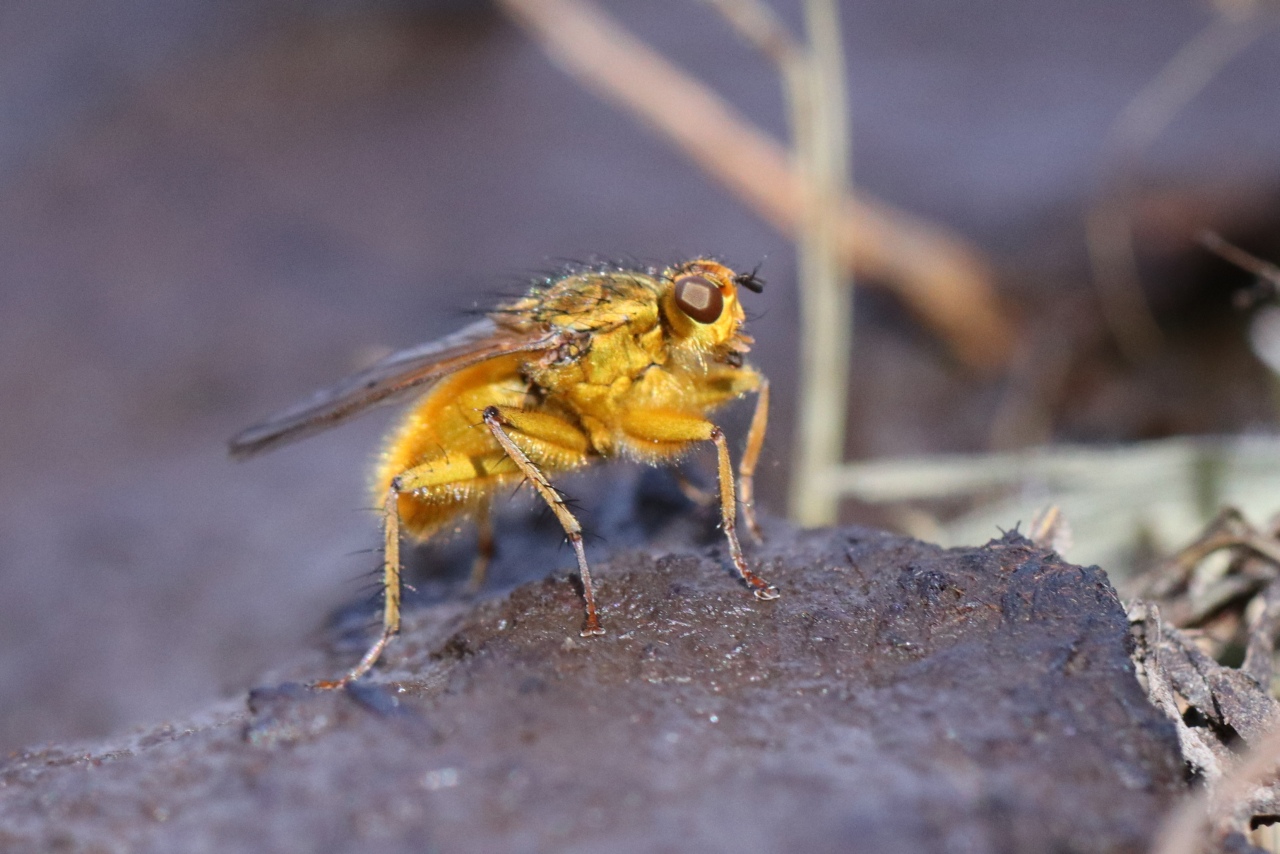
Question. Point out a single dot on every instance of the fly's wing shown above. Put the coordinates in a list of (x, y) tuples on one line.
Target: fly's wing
[(390, 378)]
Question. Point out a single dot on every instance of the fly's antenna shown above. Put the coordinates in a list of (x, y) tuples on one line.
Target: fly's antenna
[(751, 281)]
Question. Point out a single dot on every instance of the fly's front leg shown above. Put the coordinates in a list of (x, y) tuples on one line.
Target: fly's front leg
[(728, 513), (557, 437), (676, 428), (751, 456)]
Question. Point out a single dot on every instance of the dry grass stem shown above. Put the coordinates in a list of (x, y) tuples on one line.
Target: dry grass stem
[(813, 83), (820, 129), (1246, 261), (944, 280), (1216, 709), (1049, 529), (1190, 826), (1109, 239), (755, 22)]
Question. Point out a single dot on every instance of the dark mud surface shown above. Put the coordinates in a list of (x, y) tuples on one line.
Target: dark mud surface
[(896, 698)]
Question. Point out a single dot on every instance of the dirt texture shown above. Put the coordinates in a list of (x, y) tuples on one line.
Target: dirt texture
[(896, 698)]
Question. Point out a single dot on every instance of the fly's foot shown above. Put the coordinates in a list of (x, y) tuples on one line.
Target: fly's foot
[(763, 589), (329, 684)]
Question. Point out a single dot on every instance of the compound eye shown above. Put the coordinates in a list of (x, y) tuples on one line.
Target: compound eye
[(699, 299)]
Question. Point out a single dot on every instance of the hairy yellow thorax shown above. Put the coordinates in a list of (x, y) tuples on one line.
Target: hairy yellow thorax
[(634, 344)]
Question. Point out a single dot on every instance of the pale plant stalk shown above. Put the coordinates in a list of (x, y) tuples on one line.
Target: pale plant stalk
[(826, 298), (813, 84)]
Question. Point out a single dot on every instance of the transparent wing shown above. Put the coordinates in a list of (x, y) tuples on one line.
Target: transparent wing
[(390, 378)]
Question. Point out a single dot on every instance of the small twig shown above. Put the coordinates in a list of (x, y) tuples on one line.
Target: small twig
[(1263, 632), (1246, 261), (1187, 827), (1109, 225), (1249, 539), (1267, 274), (756, 23)]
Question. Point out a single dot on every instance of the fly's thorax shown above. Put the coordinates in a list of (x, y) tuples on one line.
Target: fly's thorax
[(592, 300), (623, 328), (600, 358)]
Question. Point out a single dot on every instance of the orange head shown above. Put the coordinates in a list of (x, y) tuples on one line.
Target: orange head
[(700, 305)]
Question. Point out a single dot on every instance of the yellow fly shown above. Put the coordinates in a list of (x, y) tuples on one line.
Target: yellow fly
[(594, 364)]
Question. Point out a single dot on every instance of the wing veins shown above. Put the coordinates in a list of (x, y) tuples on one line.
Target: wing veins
[(389, 379)]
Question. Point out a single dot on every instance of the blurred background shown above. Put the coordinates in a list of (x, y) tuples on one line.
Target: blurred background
[(208, 209)]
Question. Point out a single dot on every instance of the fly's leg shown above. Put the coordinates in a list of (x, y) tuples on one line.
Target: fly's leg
[(421, 478), (676, 428), (556, 443), (691, 490), (390, 592), (497, 421), (728, 515), (751, 456), (484, 550)]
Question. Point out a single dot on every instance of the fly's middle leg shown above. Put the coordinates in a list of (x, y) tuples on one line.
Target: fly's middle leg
[(546, 431), (728, 515)]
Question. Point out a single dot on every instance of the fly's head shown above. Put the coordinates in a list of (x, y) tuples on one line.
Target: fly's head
[(701, 307)]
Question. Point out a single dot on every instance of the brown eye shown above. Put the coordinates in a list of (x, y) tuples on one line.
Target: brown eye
[(699, 299)]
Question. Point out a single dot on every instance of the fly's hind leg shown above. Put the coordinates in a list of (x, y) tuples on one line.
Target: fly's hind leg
[(434, 473), (553, 432), (390, 592)]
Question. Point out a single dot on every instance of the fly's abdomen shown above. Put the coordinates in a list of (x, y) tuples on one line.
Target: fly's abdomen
[(444, 437)]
